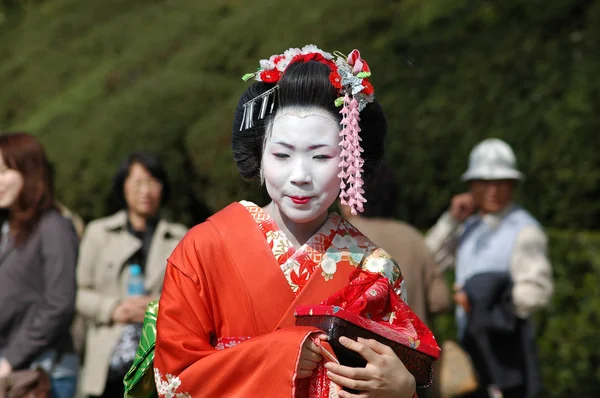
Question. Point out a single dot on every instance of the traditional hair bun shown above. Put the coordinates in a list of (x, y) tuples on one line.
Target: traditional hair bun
[(306, 81)]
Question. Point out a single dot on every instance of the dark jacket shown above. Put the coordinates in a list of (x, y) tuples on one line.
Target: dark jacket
[(37, 291), (501, 344)]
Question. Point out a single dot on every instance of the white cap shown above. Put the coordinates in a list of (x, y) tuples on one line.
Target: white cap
[(492, 159)]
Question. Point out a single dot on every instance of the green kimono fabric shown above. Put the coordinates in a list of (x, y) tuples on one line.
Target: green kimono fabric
[(139, 380)]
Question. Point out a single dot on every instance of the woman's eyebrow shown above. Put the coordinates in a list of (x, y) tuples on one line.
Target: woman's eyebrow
[(310, 148)]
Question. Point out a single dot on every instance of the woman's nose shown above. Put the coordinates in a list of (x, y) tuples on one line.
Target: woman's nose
[(300, 175)]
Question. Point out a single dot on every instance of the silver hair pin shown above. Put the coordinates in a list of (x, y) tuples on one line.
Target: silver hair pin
[(248, 116), (251, 118), (263, 107), (243, 120)]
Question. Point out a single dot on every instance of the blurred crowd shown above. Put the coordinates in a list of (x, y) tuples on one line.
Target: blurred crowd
[(73, 296)]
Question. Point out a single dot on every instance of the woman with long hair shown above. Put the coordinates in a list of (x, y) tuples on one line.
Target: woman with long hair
[(38, 255)]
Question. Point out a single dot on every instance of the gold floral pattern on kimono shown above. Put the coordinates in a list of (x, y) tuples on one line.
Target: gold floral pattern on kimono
[(336, 241)]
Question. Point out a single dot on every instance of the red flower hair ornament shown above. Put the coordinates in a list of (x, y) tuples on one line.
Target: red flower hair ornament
[(349, 75)]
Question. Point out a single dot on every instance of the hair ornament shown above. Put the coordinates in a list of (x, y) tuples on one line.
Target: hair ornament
[(351, 192), (349, 75), (265, 98)]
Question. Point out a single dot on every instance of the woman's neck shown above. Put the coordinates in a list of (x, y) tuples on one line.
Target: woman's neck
[(137, 221), (298, 233)]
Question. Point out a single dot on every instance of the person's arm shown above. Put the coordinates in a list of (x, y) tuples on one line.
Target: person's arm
[(53, 315), (442, 240), (531, 272), (93, 305), (437, 293), (186, 363)]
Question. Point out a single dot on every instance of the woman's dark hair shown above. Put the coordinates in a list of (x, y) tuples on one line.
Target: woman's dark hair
[(304, 84), (150, 163), (381, 192), (24, 153)]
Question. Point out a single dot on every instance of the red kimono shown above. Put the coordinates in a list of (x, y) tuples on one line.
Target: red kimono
[(226, 315)]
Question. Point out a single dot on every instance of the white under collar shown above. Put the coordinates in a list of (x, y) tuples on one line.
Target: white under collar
[(493, 220)]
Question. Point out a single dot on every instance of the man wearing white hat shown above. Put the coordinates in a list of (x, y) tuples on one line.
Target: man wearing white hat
[(485, 235)]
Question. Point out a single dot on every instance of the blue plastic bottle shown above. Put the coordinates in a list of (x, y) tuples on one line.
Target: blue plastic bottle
[(135, 281)]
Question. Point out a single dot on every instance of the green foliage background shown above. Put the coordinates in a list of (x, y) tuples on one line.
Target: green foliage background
[(96, 79)]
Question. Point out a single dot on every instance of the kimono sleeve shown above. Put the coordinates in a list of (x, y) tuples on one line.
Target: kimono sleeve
[(379, 261), (187, 365)]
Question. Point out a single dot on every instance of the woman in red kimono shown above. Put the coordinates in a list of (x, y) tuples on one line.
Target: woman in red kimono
[(226, 315)]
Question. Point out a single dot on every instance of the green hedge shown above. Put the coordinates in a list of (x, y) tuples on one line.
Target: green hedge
[(568, 331), (95, 79)]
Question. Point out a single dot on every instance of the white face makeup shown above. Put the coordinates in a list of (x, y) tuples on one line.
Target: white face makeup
[(300, 162)]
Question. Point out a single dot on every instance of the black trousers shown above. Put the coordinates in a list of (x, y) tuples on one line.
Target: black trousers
[(113, 389)]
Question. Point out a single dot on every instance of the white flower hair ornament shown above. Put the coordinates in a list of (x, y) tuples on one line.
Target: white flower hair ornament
[(349, 75)]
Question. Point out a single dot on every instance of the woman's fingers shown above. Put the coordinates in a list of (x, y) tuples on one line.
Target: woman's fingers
[(305, 368), (364, 350), (346, 394), (349, 372), (312, 347), (377, 347), (348, 382), (303, 374), (311, 355), (307, 365)]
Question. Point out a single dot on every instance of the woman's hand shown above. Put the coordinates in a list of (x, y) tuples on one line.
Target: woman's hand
[(131, 310), (5, 368), (384, 376), (310, 356)]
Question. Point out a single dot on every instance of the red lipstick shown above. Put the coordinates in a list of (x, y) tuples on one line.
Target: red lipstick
[(301, 200)]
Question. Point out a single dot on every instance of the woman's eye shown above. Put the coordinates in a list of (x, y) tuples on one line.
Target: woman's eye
[(281, 155), (322, 157)]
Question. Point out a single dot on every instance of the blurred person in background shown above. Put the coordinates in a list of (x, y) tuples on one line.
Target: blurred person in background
[(78, 326), (38, 255), (502, 270), (132, 244), (73, 217), (427, 291)]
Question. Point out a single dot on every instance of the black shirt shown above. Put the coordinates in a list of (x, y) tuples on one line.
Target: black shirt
[(145, 237)]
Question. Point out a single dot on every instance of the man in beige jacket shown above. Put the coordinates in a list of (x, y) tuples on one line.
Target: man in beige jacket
[(485, 232)]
